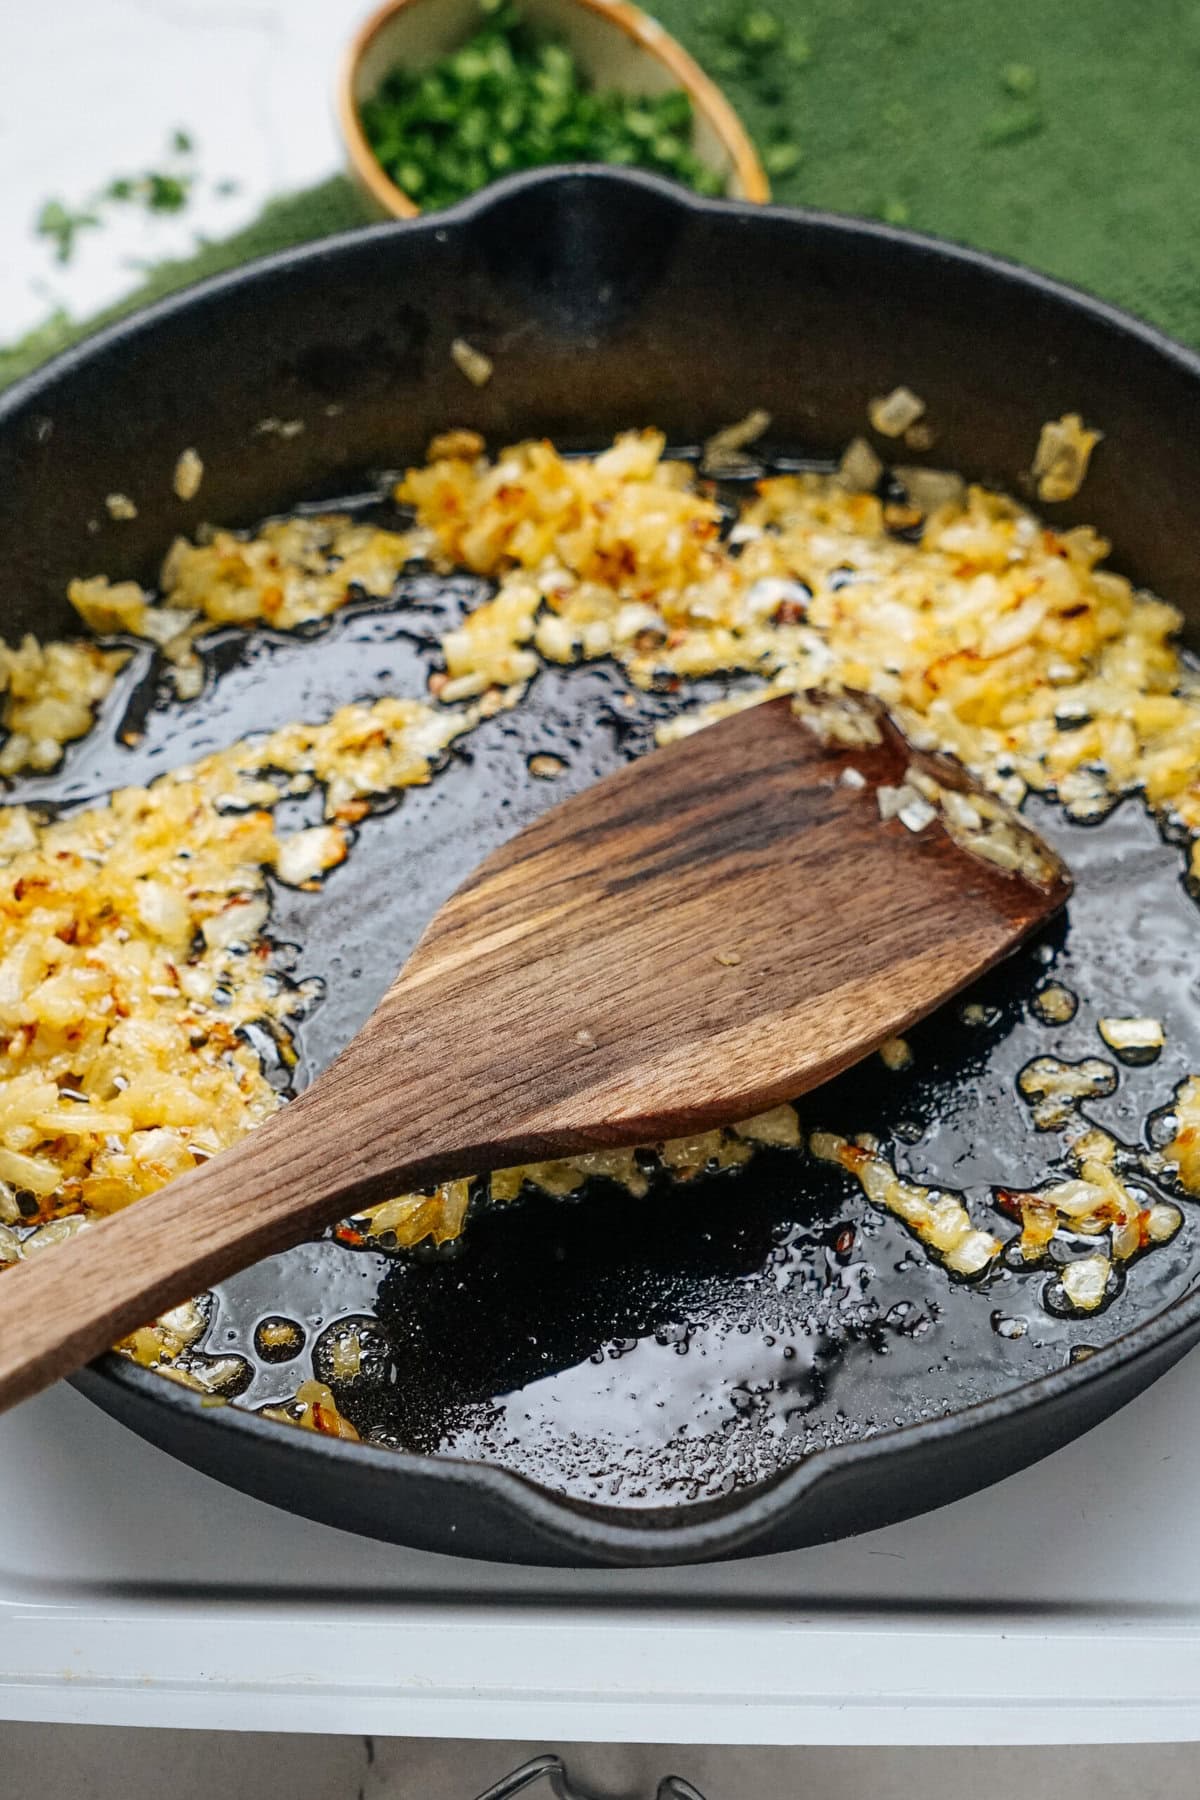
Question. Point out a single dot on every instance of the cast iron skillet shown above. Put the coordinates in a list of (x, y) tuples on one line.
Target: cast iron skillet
[(609, 300)]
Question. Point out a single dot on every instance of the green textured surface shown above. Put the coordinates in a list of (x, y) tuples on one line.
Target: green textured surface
[(897, 102), (1095, 176)]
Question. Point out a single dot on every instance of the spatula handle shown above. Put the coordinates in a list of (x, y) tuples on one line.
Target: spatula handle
[(277, 1186)]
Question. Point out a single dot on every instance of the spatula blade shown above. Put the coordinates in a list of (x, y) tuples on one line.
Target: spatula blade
[(722, 926)]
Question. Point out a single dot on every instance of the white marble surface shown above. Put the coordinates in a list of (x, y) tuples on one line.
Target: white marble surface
[(94, 88)]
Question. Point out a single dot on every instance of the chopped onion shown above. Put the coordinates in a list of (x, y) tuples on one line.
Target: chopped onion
[(1063, 453), (477, 367), (917, 814), (1085, 1282), (930, 488), (860, 468), (1133, 1040), (779, 1127), (723, 450), (189, 473), (306, 855), (893, 413)]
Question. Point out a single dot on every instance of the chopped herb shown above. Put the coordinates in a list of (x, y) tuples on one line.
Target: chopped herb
[(157, 191), (750, 42), (782, 157), (894, 212), (750, 34), (510, 98), (726, 60), (166, 193), (755, 46), (62, 227), (1020, 79), (58, 223), (759, 30), (1013, 123)]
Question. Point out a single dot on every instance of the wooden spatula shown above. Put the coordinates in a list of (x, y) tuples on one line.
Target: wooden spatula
[(715, 929)]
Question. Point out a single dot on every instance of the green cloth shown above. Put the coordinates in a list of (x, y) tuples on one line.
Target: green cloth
[(1066, 135)]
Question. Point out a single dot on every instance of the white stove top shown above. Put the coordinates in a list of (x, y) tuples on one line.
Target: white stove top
[(1061, 1606)]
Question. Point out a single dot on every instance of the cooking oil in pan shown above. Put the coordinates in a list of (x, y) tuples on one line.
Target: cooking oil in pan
[(667, 1348), (664, 1348)]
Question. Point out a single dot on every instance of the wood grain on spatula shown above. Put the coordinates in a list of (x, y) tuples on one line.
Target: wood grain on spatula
[(717, 928)]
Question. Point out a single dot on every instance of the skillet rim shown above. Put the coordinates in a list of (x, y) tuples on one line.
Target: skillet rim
[(691, 1531)]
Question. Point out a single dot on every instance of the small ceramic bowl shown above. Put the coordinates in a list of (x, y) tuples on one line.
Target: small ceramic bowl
[(615, 44)]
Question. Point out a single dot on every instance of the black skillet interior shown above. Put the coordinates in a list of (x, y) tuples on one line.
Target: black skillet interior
[(754, 1360)]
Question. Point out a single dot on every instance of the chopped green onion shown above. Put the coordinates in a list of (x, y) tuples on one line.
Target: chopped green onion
[(62, 227), (1019, 78), (755, 46), (166, 193), (156, 191), (1020, 120), (511, 99), (759, 29), (781, 158)]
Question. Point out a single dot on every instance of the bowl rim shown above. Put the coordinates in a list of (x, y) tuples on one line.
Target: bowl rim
[(602, 1534), (706, 97)]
